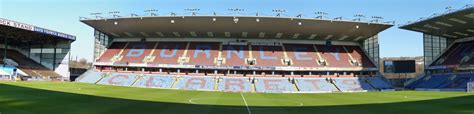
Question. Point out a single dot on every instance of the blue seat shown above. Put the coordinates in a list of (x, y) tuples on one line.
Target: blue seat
[(119, 79), (379, 83), (273, 85), (155, 81), (460, 82), (315, 85), (91, 77), (443, 81), (433, 81), (352, 84), (196, 83), (415, 84), (235, 84)]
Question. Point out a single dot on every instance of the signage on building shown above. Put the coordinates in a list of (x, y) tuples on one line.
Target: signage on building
[(16, 24), (19, 25)]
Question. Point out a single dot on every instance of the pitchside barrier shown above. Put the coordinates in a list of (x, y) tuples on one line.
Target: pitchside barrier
[(470, 87)]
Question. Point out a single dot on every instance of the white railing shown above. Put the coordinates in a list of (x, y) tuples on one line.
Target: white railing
[(470, 86)]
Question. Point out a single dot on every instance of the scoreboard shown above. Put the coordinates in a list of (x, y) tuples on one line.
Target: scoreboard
[(399, 66)]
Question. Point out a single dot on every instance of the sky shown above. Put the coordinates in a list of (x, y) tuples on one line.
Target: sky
[(63, 15)]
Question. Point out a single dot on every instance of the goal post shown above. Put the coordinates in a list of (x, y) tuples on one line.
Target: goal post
[(470, 87)]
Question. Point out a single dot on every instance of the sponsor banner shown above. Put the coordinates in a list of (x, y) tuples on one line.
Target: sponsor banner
[(16, 24), (54, 33), (34, 28), (243, 67), (438, 67)]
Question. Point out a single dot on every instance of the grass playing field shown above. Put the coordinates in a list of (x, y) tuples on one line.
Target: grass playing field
[(69, 97)]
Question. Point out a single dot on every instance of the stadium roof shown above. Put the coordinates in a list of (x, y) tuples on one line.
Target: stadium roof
[(236, 27), (13, 29), (452, 24)]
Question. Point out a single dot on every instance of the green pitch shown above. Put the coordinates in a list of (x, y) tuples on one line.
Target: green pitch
[(69, 97)]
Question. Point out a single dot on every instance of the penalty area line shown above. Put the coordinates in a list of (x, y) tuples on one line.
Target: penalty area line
[(248, 108)]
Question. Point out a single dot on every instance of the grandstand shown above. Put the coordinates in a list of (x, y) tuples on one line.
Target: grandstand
[(237, 53), (448, 50), (32, 52)]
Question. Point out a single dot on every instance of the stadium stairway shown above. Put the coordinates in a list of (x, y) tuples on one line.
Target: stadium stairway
[(315, 85), (254, 88), (119, 56), (111, 51), (378, 83), (352, 85), (150, 57), (216, 86), (296, 87), (433, 81), (372, 85), (334, 84), (177, 79), (102, 76), (285, 56), (138, 78), (349, 55), (184, 58), (410, 83)]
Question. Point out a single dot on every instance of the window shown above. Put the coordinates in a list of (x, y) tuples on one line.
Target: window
[(372, 47), (433, 46)]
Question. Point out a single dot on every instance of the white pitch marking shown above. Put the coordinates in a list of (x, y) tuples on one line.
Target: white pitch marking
[(248, 108), (192, 100)]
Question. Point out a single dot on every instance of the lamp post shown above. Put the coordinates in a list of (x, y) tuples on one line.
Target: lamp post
[(299, 15), (279, 11), (320, 14), (172, 14), (114, 14), (358, 17), (235, 10), (192, 10), (377, 19), (151, 12), (449, 9), (133, 15), (96, 15)]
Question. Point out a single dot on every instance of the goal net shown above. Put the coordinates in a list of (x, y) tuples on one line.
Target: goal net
[(470, 87)]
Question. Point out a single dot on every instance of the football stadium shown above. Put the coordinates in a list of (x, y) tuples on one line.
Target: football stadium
[(237, 63)]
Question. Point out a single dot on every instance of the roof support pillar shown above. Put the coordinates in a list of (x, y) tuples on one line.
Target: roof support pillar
[(41, 53), (54, 56), (29, 49), (5, 51)]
